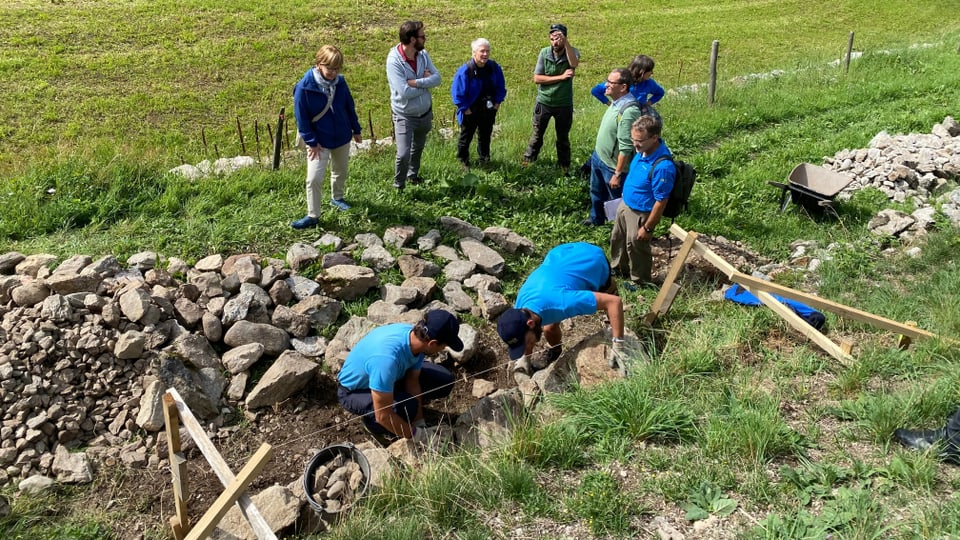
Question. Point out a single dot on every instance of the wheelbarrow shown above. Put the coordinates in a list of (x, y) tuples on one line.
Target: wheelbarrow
[(812, 187)]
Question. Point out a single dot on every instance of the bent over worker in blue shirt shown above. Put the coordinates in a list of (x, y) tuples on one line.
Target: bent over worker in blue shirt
[(574, 279)]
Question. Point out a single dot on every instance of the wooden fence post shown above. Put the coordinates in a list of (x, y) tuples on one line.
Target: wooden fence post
[(849, 52), (178, 468), (714, 52), (278, 140), (243, 147)]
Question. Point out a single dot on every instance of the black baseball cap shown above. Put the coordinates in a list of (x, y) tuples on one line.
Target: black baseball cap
[(444, 327), (557, 27)]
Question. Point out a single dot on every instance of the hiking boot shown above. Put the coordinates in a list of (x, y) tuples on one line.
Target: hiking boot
[(547, 357), (305, 222), (383, 439), (340, 204), (525, 162), (522, 365), (399, 185), (415, 180)]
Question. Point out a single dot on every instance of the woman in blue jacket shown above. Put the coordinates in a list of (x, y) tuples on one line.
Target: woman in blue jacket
[(644, 88), (478, 89), (326, 120)]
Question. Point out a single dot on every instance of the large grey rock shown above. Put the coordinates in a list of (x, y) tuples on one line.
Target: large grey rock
[(197, 350), (188, 313), (129, 345), (210, 263), (459, 270), (296, 324), (134, 304), (278, 506), (143, 261), (429, 241), (461, 228), (312, 346), (378, 257), (72, 468), (471, 344), (426, 288), (347, 282), (9, 261), (150, 415), (212, 327), (301, 287), (69, 283), (411, 266), (454, 296), (353, 331), (382, 312), (491, 303), (488, 422), (105, 267), (274, 340), (36, 485), (240, 359), (300, 255), (486, 258), (56, 308), (289, 374), (395, 294), (509, 240), (368, 240), (29, 294), (399, 236), (73, 265), (336, 259), (321, 310), (31, 265)]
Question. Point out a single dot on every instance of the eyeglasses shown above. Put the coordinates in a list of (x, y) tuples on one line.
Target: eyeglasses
[(638, 142), (611, 83)]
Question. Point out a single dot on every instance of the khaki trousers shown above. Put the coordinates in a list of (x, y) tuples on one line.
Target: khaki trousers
[(338, 159), (630, 257)]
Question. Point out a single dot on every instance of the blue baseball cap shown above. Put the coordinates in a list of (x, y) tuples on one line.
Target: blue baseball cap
[(444, 327), (512, 327)]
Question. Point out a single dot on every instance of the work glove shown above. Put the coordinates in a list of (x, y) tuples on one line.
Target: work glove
[(616, 356), (421, 423), (421, 436)]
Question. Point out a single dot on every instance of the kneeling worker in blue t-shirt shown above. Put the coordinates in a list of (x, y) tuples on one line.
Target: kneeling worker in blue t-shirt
[(574, 279), (386, 381)]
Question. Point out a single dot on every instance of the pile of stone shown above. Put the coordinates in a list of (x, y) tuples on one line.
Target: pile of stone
[(336, 484), (88, 346), (915, 168)]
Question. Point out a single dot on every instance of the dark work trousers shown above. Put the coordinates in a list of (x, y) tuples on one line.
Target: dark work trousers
[(951, 434), (563, 121), (480, 122), (436, 382)]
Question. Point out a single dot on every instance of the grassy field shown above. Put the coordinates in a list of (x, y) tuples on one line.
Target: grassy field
[(139, 80), (735, 416)]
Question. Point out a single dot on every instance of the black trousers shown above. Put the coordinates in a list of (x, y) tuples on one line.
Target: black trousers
[(479, 123), (563, 121)]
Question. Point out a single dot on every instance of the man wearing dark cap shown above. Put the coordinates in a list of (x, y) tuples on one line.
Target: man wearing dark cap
[(554, 77), (574, 279), (385, 380)]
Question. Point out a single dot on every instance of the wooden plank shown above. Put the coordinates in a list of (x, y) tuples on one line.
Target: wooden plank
[(813, 301), (178, 466), (826, 305), (846, 346), (664, 298), (248, 474), (262, 530), (178, 533), (802, 326)]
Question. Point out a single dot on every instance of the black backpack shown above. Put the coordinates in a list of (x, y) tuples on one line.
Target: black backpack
[(682, 186)]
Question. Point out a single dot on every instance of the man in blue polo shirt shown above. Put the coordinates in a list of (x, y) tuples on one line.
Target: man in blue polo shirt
[(644, 200), (385, 380), (574, 279)]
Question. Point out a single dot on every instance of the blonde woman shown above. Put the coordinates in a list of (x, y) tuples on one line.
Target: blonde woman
[(326, 120)]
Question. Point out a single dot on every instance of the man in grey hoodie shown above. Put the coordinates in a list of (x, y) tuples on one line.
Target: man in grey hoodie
[(411, 75)]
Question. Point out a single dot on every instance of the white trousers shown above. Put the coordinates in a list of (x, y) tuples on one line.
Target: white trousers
[(339, 158)]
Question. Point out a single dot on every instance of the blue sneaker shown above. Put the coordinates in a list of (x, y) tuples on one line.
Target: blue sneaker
[(305, 222), (340, 204)]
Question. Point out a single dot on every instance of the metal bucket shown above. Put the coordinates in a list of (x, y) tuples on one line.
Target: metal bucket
[(323, 457)]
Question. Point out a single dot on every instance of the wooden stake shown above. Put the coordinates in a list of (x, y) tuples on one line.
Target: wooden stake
[(233, 492), (846, 67), (669, 289), (278, 141), (178, 467), (260, 526), (203, 137), (903, 342), (256, 136), (370, 126), (714, 53), (243, 147)]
